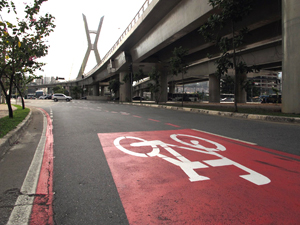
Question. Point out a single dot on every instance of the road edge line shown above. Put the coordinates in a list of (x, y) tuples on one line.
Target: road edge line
[(23, 206), (42, 209)]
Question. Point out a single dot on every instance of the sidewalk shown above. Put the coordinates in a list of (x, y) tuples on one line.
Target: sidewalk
[(4, 110), (16, 162)]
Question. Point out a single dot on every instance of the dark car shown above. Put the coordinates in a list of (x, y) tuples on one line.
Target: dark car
[(138, 98), (48, 97), (274, 99)]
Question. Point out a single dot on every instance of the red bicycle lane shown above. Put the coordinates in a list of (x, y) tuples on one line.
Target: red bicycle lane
[(192, 177)]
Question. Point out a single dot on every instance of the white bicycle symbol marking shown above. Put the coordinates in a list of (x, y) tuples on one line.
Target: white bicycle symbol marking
[(186, 165)]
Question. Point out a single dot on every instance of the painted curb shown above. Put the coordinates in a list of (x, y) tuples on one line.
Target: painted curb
[(280, 119)]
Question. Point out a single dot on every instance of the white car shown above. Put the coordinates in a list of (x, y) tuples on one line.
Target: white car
[(59, 96)]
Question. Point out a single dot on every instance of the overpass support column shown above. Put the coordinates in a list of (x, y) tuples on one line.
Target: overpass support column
[(96, 89), (125, 89), (102, 90), (68, 89), (214, 88), (163, 93), (164, 88), (141, 92), (172, 87), (241, 92), (291, 56)]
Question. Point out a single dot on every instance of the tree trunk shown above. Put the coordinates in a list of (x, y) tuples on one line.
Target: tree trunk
[(23, 103), (10, 111)]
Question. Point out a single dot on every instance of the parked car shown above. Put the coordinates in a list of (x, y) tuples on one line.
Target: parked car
[(59, 96), (138, 98), (43, 97), (272, 99)]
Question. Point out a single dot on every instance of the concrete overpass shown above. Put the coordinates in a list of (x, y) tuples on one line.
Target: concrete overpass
[(162, 25)]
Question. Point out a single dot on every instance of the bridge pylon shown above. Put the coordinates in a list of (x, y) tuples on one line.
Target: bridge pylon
[(90, 45)]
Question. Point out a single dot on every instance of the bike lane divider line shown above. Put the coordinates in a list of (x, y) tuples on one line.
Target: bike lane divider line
[(42, 209), (238, 140), (173, 125), (191, 177), (256, 147), (137, 116), (154, 120)]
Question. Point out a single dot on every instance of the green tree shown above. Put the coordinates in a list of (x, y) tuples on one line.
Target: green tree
[(60, 89), (76, 91), (227, 85), (228, 17), (114, 86), (178, 64), (22, 42), (135, 76), (154, 87)]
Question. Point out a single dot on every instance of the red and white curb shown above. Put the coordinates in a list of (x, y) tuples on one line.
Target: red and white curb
[(34, 205)]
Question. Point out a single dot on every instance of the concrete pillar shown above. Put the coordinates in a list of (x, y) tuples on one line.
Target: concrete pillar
[(141, 92), (96, 89), (67, 88), (162, 95), (102, 90), (172, 87), (241, 95), (125, 89), (214, 88), (164, 86), (291, 56), (89, 90), (152, 97)]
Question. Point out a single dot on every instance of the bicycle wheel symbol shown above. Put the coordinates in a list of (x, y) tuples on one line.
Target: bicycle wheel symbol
[(154, 152)]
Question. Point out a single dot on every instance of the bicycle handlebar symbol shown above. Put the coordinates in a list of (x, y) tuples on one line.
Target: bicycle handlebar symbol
[(186, 165)]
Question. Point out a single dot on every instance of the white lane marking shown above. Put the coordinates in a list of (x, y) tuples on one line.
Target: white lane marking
[(23, 206), (51, 114), (246, 142)]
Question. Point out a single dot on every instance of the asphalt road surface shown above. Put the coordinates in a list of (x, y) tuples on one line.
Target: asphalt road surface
[(123, 164)]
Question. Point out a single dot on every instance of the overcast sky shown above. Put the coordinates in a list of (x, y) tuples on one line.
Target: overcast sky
[(68, 43)]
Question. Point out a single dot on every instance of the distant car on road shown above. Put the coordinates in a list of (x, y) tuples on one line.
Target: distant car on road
[(43, 97), (59, 96), (138, 98), (48, 96)]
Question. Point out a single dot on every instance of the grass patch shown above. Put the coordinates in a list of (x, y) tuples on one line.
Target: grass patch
[(7, 124)]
